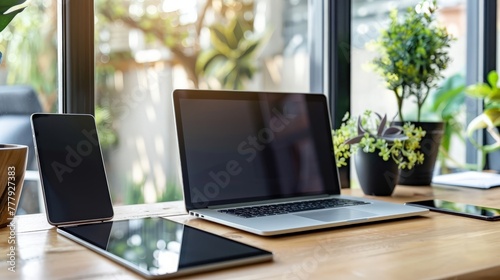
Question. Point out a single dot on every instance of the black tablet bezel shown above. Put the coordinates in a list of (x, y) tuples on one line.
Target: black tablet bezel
[(67, 202)]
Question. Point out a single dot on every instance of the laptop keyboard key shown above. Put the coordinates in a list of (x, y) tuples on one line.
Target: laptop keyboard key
[(290, 207)]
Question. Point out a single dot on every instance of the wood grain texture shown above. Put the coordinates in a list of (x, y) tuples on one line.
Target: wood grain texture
[(12, 169), (434, 246)]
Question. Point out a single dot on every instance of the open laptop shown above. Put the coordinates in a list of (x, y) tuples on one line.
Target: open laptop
[(263, 162)]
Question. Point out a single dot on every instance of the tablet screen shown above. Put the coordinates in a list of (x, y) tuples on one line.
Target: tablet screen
[(71, 167), (156, 247)]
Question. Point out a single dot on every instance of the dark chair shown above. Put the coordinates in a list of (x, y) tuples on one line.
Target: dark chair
[(17, 103)]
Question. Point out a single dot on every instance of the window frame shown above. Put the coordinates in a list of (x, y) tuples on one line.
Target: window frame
[(76, 57), (481, 59), (489, 63), (76, 54), (339, 65)]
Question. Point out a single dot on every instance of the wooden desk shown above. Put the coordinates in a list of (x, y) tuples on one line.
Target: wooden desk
[(434, 246)]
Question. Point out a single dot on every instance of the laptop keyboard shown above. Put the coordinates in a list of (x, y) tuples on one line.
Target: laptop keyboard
[(291, 207)]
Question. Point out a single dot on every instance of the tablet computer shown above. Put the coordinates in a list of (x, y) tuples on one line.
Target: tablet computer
[(73, 178), (161, 248)]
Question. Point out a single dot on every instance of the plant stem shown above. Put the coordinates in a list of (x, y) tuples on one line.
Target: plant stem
[(421, 101), (400, 102), (492, 131), (418, 112)]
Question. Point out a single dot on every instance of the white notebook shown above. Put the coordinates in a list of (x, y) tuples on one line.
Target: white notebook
[(470, 179)]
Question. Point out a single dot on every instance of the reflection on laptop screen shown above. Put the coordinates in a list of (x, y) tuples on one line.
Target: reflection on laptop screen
[(242, 146)]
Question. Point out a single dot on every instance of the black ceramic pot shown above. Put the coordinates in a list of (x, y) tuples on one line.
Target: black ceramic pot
[(376, 176), (421, 174)]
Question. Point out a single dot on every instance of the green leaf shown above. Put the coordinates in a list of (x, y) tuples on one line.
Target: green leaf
[(249, 51), (219, 40), (238, 31), (455, 104), (381, 127), (5, 6), (493, 114), (206, 58), (354, 140), (449, 101), (490, 118), (493, 79), (247, 71), (480, 90), (491, 148)]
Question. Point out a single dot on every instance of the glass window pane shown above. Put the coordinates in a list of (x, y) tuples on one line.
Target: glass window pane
[(147, 48), (369, 17), (28, 84)]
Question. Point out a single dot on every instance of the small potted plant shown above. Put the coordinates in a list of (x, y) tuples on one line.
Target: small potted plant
[(380, 150), (413, 52), (489, 120)]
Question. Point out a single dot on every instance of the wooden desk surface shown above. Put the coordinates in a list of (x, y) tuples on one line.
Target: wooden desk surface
[(433, 246)]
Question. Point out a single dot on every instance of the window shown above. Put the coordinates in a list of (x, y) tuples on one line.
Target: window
[(145, 49), (28, 77), (135, 73)]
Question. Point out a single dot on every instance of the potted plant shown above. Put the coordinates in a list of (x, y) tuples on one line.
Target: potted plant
[(413, 53), (8, 10), (380, 150), (490, 118)]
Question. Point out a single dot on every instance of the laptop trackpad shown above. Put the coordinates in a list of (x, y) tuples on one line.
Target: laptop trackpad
[(332, 215)]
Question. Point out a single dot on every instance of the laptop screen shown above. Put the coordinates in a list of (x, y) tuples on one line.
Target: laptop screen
[(247, 146)]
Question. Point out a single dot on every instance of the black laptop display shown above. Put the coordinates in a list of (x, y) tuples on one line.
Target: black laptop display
[(244, 146)]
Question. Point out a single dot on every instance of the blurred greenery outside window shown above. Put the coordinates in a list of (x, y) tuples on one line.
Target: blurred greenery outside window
[(29, 48), (147, 48)]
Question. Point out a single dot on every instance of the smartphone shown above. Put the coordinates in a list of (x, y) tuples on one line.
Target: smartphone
[(462, 209)]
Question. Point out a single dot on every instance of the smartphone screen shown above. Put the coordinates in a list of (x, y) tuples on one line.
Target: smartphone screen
[(71, 168), (463, 209)]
